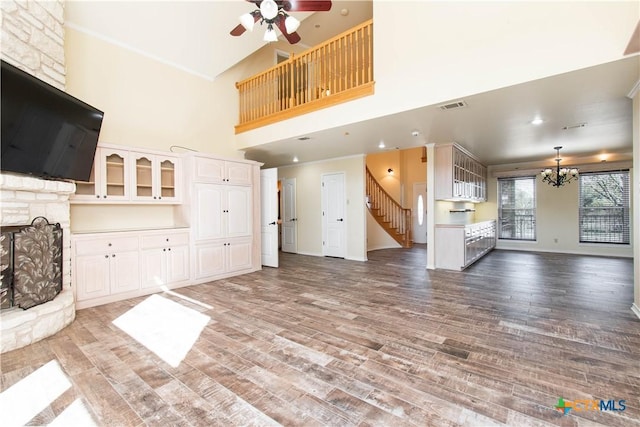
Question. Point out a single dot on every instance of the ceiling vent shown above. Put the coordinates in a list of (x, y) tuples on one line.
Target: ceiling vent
[(453, 105), (576, 126), (304, 138)]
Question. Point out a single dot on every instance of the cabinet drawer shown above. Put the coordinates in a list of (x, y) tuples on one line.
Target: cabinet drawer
[(209, 170), (165, 240), (106, 244)]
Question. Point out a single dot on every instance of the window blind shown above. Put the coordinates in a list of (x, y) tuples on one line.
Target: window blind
[(604, 207)]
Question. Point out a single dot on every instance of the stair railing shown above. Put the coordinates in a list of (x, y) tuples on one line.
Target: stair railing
[(395, 219)]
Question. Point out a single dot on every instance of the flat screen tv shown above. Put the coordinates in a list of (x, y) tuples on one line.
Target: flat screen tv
[(45, 131)]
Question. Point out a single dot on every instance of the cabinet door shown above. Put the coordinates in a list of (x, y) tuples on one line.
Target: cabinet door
[(153, 268), (125, 272), (142, 175), (238, 211), (114, 174), (239, 255), (89, 190), (167, 179), (208, 207), (209, 260), (209, 170), (92, 276), (238, 173), (177, 264)]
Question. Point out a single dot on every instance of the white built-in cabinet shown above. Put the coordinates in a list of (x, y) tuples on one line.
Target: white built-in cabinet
[(222, 208), (107, 267), (459, 176), (155, 178), (164, 259), (216, 204), (122, 176)]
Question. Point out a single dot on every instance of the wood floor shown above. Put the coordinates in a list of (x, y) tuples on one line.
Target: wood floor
[(323, 341)]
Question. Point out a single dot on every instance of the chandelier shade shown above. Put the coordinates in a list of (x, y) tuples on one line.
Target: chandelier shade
[(558, 176)]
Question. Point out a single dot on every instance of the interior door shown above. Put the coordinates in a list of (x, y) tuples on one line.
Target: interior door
[(269, 221), (334, 240), (419, 212), (289, 216)]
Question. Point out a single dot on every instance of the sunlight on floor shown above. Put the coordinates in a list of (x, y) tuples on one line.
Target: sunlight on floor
[(76, 414), (28, 397), (186, 298), (165, 327)]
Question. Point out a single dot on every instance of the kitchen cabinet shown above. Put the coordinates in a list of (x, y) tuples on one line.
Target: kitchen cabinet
[(155, 178), (109, 178), (223, 171), (222, 257), (459, 176), (124, 176), (222, 206), (104, 266), (460, 245), (164, 259)]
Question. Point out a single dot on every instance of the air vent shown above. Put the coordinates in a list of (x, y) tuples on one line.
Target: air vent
[(453, 105), (304, 138)]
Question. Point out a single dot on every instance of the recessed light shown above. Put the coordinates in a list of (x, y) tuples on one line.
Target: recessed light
[(381, 145), (537, 121), (295, 159)]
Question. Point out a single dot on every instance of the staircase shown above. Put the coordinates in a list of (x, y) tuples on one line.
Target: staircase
[(392, 217)]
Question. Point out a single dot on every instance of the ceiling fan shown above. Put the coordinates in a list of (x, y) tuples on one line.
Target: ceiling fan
[(275, 12)]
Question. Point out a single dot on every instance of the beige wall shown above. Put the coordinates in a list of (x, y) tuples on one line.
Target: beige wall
[(309, 204), (379, 164), (556, 218)]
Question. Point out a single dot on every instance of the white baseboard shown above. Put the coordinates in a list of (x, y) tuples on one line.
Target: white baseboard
[(357, 258), (635, 309)]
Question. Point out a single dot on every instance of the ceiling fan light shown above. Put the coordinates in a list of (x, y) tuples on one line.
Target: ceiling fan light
[(291, 24), (247, 21), (270, 35), (268, 9)]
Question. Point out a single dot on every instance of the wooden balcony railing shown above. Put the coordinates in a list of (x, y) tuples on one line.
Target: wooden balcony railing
[(393, 218), (339, 70)]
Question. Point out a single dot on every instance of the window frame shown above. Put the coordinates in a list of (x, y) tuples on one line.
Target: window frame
[(626, 210), (534, 209)]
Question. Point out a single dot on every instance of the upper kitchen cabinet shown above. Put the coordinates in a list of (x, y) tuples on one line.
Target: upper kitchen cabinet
[(155, 178), (459, 176), (124, 176), (109, 181)]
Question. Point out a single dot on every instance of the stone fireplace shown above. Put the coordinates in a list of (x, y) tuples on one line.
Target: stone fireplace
[(24, 198), (33, 40)]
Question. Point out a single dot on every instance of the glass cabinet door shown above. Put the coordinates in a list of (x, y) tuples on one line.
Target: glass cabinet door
[(88, 189), (115, 176), (167, 179), (143, 178)]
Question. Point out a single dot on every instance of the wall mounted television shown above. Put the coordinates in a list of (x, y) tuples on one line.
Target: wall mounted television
[(45, 131)]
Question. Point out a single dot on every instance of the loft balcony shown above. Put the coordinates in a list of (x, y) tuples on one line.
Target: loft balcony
[(338, 70)]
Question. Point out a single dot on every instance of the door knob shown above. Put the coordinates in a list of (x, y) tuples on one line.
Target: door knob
[(339, 219), (294, 219), (272, 223)]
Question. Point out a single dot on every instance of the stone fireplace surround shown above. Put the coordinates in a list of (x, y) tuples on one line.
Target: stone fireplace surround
[(23, 198)]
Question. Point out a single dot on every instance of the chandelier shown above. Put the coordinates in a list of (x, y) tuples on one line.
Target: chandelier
[(270, 13), (559, 176)]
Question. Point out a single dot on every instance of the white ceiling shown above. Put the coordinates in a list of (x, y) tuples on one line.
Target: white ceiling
[(495, 126)]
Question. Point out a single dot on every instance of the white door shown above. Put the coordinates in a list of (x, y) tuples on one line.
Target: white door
[(334, 240), (419, 212), (269, 223), (289, 216)]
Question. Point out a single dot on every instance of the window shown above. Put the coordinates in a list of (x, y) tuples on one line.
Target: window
[(604, 207), (517, 208)]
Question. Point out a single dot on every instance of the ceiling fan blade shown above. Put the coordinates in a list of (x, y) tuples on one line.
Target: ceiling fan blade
[(293, 38), (238, 31), (306, 5)]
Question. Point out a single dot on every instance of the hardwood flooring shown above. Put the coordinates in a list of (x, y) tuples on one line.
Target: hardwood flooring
[(322, 341)]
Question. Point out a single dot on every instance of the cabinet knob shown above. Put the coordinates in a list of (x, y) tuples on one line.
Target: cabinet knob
[(164, 250), (169, 249), (106, 256), (109, 244), (154, 197), (104, 197), (159, 197), (97, 196), (113, 256), (167, 239)]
